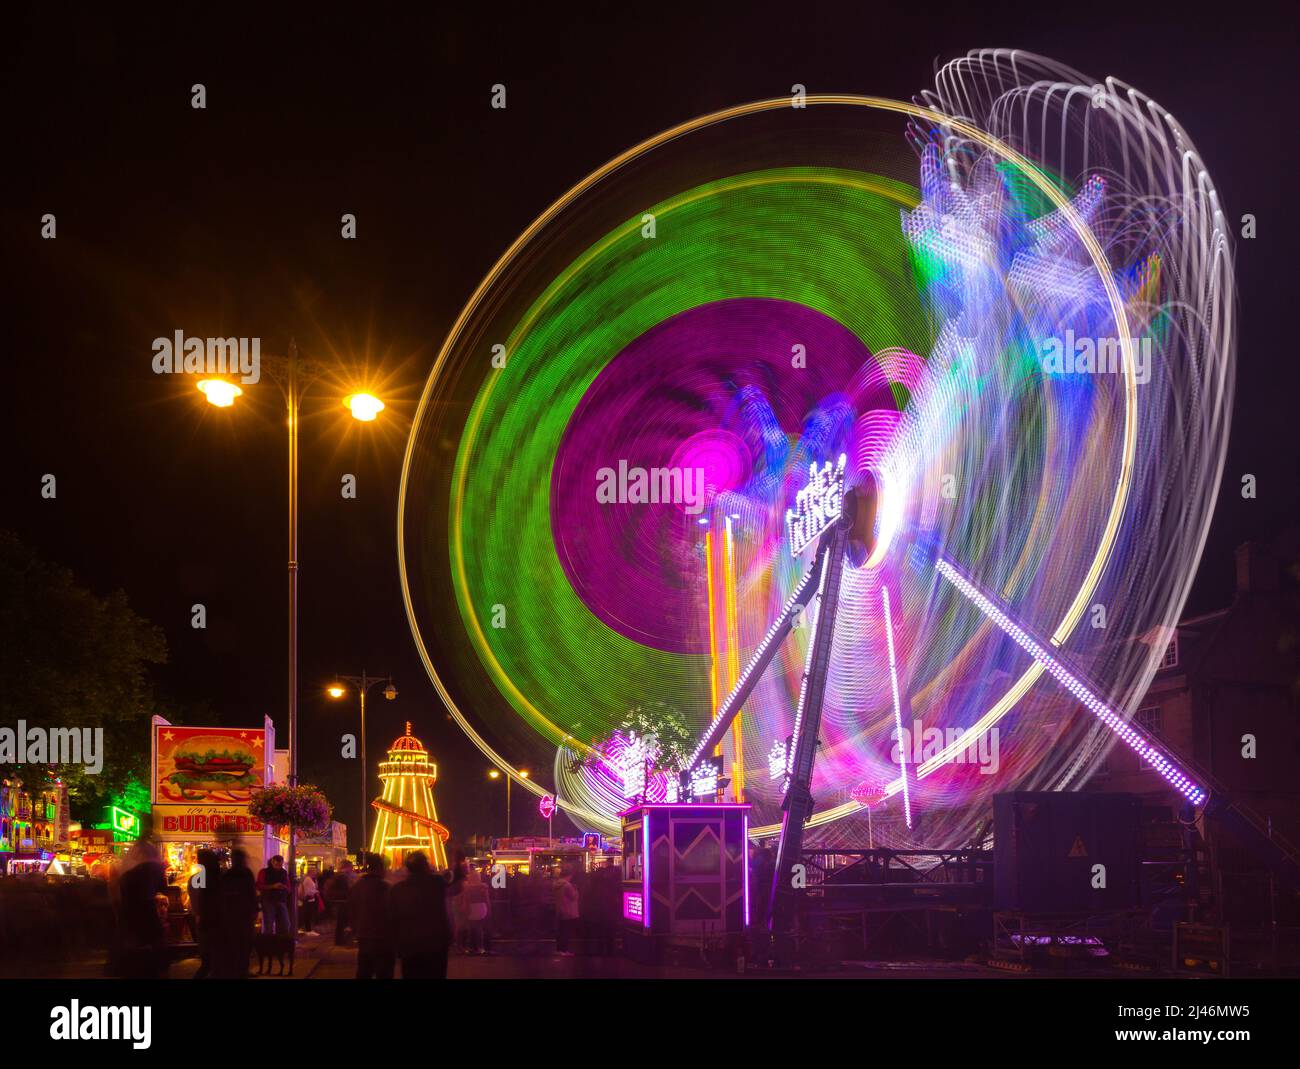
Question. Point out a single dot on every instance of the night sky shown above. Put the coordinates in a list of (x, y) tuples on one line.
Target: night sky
[(225, 221)]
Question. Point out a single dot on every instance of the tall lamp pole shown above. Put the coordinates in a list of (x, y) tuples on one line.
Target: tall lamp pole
[(363, 683), (364, 407), (494, 774), (292, 401)]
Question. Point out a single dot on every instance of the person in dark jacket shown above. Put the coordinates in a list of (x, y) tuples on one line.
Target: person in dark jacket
[(144, 937), (238, 905), (368, 911), (273, 886), (421, 925), (337, 889), (205, 905)]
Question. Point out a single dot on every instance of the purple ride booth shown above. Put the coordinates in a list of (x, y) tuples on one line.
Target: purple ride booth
[(685, 875)]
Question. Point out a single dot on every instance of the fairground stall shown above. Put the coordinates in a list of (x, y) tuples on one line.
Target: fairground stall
[(685, 876), (318, 853), (203, 779), (33, 822)]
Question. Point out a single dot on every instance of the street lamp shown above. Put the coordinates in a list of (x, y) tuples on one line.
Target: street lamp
[(221, 393), (363, 683), (494, 774), (363, 406)]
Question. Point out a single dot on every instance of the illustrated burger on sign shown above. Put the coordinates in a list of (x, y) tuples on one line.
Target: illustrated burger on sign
[(214, 764)]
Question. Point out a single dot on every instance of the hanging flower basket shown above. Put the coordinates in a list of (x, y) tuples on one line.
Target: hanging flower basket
[(303, 808)]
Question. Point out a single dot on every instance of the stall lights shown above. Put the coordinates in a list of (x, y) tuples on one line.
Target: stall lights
[(704, 780), (744, 843), (645, 870), (776, 758), (633, 905), (898, 709), (1143, 746)]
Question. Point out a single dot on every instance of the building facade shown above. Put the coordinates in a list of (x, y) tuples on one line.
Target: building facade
[(32, 823)]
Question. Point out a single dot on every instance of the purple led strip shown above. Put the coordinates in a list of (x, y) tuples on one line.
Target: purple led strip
[(898, 708), (1140, 742)]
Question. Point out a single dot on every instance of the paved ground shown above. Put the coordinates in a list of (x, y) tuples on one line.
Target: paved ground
[(319, 959)]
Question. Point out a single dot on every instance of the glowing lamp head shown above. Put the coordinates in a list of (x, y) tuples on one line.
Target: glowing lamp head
[(335, 691), (493, 774), (363, 406), (390, 692), (219, 392), (523, 773)]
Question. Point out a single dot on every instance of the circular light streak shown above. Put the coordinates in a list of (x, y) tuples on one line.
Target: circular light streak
[(725, 464)]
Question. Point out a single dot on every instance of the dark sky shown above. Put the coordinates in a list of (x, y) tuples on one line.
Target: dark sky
[(226, 222)]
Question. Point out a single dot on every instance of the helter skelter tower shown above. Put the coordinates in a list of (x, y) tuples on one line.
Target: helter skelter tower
[(408, 820)]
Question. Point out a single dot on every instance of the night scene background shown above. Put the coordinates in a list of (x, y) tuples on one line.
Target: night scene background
[(225, 221)]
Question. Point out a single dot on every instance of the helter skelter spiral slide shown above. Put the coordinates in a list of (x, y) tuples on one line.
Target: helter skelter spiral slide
[(999, 317)]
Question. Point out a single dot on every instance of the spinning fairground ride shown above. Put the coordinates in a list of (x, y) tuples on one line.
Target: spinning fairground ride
[(845, 457)]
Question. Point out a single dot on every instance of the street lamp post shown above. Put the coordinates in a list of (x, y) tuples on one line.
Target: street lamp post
[(494, 774), (363, 683), (364, 407), (292, 401)]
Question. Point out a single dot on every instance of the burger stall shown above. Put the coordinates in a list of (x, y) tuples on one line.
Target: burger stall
[(203, 779)]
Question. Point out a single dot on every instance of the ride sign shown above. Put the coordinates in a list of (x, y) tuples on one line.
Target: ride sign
[(817, 505)]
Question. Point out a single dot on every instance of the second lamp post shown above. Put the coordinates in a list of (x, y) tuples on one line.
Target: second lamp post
[(363, 683)]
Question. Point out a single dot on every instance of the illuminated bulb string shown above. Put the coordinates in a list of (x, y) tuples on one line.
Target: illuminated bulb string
[(1143, 746), (898, 708), (793, 748)]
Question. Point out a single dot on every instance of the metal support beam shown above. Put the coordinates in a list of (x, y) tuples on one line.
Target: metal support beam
[(753, 672), (798, 803)]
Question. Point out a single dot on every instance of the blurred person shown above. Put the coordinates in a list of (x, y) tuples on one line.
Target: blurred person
[(238, 906), (144, 933), (307, 902), (273, 887), (421, 925), (607, 886), (337, 891), (368, 909), (476, 910), (205, 904), (459, 922), (566, 913)]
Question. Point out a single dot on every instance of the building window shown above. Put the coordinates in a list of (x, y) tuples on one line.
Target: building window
[(1149, 719), (1170, 659)]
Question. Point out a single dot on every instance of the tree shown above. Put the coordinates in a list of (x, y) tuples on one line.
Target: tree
[(666, 725), (72, 659)]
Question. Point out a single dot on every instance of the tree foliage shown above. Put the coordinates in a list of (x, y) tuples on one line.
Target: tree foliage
[(72, 659)]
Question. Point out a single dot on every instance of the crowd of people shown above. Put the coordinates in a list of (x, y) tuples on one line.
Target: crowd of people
[(414, 917)]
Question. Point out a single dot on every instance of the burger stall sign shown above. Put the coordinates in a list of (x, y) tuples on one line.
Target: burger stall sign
[(222, 765), (204, 778)]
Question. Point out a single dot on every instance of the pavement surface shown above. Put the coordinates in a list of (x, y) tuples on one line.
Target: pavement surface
[(318, 958)]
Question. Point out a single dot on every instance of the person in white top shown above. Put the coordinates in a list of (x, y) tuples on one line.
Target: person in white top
[(308, 898)]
